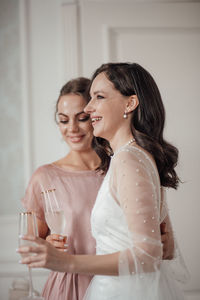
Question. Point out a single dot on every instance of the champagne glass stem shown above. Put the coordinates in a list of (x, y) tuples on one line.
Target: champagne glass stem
[(30, 283)]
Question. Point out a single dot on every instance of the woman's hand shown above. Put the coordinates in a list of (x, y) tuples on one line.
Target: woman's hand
[(58, 241), (167, 241), (45, 255)]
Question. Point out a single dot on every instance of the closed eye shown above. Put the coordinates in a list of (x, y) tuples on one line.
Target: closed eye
[(63, 122), (84, 119)]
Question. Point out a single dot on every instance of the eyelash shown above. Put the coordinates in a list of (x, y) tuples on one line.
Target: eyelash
[(80, 120), (100, 97), (84, 119)]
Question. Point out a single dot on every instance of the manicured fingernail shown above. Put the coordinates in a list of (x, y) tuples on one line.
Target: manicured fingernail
[(17, 249), (61, 237), (65, 245), (21, 236), (65, 250), (20, 262)]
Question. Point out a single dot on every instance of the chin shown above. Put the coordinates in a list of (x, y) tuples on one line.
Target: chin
[(77, 147), (99, 134)]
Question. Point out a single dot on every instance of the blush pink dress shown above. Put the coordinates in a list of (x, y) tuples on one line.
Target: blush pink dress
[(78, 191)]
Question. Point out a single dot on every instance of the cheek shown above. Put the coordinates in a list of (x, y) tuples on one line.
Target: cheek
[(88, 128), (62, 129), (109, 116)]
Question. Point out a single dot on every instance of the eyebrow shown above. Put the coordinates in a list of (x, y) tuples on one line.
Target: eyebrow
[(82, 112), (98, 91)]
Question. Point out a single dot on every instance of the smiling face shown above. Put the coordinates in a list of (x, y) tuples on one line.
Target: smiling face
[(75, 125), (106, 109)]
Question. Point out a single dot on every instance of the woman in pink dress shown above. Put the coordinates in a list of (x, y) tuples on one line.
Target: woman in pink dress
[(77, 180)]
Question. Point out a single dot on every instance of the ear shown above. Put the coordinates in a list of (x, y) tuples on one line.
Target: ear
[(132, 103)]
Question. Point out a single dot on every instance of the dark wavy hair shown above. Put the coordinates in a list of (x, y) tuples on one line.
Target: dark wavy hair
[(147, 121), (81, 86)]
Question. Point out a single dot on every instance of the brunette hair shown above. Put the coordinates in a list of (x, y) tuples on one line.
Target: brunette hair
[(81, 86), (148, 119), (78, 86)]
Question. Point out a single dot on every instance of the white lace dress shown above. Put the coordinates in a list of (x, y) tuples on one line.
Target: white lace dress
[(126, 218)]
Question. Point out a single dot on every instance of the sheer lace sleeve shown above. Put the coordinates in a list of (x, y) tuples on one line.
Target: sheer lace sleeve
[(137, 191), (135, 186)]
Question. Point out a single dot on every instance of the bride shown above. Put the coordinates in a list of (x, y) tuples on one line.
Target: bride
[(126, 109)]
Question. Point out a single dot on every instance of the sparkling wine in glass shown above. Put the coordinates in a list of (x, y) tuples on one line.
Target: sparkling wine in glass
[(54, 214), (28, 226)]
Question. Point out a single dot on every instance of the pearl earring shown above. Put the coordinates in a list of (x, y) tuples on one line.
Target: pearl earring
[(125, 116)]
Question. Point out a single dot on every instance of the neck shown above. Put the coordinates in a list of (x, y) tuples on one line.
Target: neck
[(120, 139), (86, 160)]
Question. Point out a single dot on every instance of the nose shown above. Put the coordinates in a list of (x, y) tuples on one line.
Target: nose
[(89, 108), (73, 126)]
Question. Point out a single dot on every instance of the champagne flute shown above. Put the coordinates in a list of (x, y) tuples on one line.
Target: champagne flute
[(54, 214), (28, 226)]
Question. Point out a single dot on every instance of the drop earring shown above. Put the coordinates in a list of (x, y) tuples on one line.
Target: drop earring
[(125, 116)]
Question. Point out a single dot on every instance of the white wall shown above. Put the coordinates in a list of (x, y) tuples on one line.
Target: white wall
[(11, 140)]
